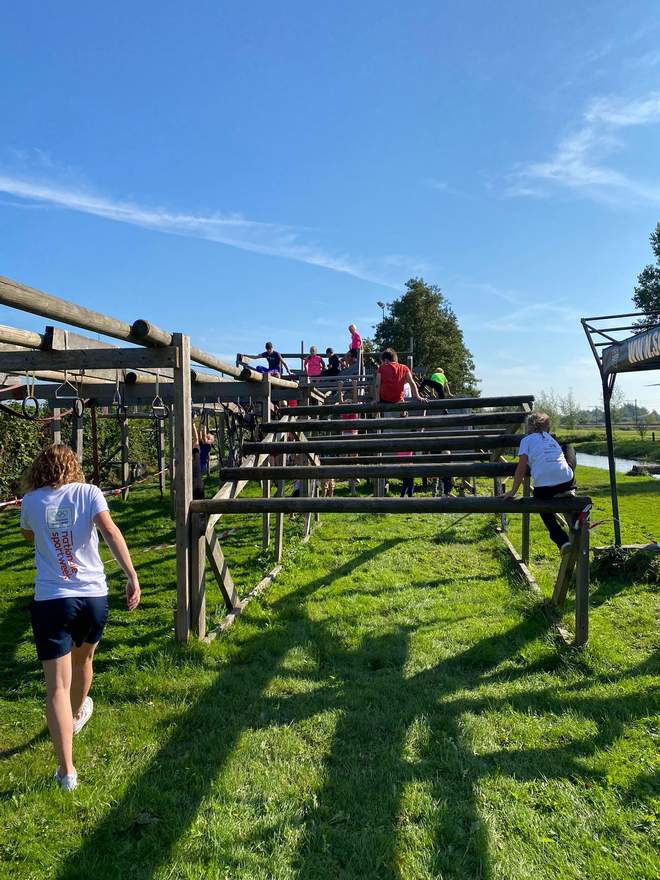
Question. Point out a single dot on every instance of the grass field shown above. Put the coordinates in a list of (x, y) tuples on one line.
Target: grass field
[(396, 706)]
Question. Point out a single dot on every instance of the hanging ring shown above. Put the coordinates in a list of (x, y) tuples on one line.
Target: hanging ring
[(30, 407), (121, 413)]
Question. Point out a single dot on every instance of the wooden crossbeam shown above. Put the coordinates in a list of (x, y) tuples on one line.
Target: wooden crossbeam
[(415, 406), (221, 571), (406, 423), (87, 358), (416, 443), (367, 472), (468, 504), (422, 458)]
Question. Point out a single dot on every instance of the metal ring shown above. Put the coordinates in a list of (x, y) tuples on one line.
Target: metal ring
[(121, 413), (31, 414), (78, 407), (160, 411)]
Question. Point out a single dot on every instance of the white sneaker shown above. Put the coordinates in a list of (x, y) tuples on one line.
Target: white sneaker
[(85, 714), (67, 782)]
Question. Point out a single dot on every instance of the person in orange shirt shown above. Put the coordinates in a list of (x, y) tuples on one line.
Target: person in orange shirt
[(391, 378)]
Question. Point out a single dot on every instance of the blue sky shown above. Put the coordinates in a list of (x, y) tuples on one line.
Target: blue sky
[(254, 171)]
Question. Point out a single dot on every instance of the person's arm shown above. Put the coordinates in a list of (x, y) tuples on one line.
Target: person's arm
[(448, 390), (117, 546), (28, 535), (413, 386), (195, 436), (518, 477), (285, 365)]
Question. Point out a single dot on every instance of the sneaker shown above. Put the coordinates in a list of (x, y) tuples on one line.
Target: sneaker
[(85, 714), (67, 782)]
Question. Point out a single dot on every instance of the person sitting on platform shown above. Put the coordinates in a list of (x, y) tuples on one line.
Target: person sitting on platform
[(334, 364), (314, 364), (275, 361), (552, 475), (391, 378), (439, 383)]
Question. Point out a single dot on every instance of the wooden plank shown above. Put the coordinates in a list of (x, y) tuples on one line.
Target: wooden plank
[(416, 443), (467, 504), (422, 458), (525, 532), (183, 484), (56, 425), (221, 571), (582, 585), (279, 517), (566, 568), (87, 358), (20, 338), (369, 471), (198, 574), (405, 423), (414, 405)]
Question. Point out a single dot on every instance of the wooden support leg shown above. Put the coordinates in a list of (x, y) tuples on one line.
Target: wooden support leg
[(183, 480), (56, 425), (124, 460), (582, 586), (524, 552), (265, 540), (221, 571), (198, 523), (279, 518)]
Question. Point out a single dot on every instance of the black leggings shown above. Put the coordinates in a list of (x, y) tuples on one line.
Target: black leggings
[(556, 532)]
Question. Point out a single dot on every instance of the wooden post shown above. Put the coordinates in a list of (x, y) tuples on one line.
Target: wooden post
[(171, 422), (279, 517), (582, 585), (265, 486), (160, 450), (77, 435), (56, 425), (524, 542), (198, 523), (95, 448), (182, 483), (125, 467)]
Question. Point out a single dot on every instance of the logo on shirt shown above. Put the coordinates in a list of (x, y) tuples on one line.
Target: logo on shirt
[(59, 517)]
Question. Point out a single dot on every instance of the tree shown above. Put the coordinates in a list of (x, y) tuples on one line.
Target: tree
[(424, 315), (647, 292), (617, 405), (550, 403), (569, 409)]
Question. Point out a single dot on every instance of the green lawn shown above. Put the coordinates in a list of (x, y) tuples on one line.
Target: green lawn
[(396, 706)]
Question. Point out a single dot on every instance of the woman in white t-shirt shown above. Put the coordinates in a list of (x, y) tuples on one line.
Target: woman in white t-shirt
[(59, 515), (551, 473)]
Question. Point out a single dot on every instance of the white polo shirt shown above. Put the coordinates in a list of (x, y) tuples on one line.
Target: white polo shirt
[(546, 460)]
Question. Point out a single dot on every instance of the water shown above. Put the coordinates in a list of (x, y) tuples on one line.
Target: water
[(622, 465)]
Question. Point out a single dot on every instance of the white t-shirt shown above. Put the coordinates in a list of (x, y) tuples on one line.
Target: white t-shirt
[(66, 543), (546, 460)]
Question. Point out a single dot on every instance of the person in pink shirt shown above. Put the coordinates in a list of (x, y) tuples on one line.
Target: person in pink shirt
[(314, 364), (353, 353)]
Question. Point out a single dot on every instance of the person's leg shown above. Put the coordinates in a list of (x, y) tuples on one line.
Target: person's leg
[(82, 672), (557, 534), (58, 710)]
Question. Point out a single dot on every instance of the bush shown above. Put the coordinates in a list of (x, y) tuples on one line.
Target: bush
[(616, 562)]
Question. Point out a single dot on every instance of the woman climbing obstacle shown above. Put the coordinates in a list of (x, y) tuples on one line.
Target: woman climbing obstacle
[(552, 474), (59, 515)]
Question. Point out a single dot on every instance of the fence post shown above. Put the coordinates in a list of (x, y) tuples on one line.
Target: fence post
[(582, 584), (525, 526), (182, 482), (198, 523)]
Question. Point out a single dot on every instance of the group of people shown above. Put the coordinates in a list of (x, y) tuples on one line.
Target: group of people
[(60, 516), (313, 365)]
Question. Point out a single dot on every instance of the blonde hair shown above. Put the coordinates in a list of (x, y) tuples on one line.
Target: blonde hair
[(538, 422), (55, 466)]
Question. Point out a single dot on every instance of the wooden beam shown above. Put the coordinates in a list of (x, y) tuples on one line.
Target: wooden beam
[(468, 504), (422, 458), (414, 405), (20, 338), (183, 484), (368, 472), (221, 571), (416, 443), (582, 585), (198, 574), (87, 358), (406, 423)]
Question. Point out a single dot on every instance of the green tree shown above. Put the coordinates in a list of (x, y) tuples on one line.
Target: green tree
[(424, 315), (647, 292)]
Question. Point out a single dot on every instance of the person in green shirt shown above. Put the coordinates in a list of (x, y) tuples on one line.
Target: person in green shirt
[(440, 384)]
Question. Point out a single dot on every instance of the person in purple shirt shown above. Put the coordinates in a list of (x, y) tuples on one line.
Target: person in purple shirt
[(275, 360)]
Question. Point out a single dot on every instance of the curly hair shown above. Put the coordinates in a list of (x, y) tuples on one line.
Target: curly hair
[(55, 465), (538, 421)]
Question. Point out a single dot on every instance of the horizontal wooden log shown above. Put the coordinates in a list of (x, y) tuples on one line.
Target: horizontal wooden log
[(369, 471), (467, 504), (416, 432), (20, 338), (140, 393), (415, 406), (405, 423), (423, 458), (87, 358), (416, 443)]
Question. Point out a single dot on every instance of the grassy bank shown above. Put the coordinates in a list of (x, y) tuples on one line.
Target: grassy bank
[(394, 707)]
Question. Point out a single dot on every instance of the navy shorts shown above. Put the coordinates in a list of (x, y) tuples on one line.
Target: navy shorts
[(58, 624)]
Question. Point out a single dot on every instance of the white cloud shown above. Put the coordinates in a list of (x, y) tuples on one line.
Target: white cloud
[(579, 163), (272, 239)]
